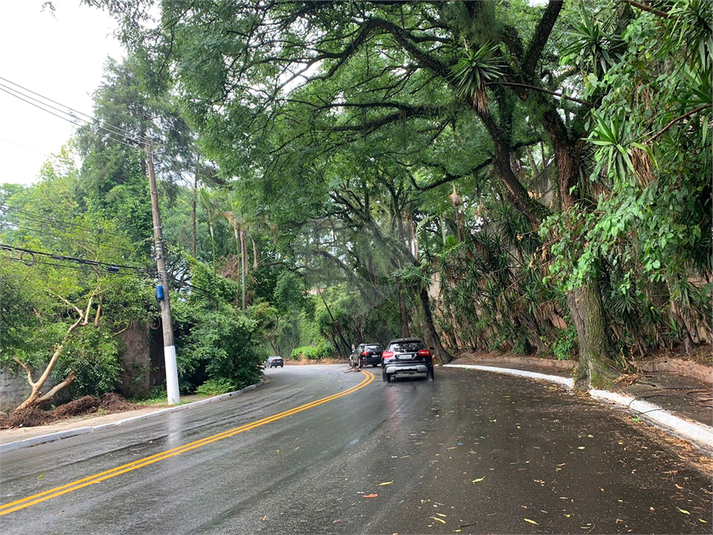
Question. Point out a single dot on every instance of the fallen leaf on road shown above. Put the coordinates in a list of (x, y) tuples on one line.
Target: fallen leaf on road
[(370, 495), (438, 520), (385, 483), (683, 511), (531, 521), (264, 518), (478, 480), (442, 515)]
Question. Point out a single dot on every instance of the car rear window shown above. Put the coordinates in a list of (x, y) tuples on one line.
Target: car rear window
[(374, 347), (411, 345)]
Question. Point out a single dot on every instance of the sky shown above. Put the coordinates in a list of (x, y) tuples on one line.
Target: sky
[(59, 55)]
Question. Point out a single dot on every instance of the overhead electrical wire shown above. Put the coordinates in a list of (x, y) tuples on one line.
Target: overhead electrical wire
[(74, 113), (109, 265), (71, 115)]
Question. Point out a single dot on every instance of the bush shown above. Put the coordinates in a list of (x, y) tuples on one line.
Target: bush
[(566, 343), (321, 351), (214, 387), (218, 345), (94, 356)]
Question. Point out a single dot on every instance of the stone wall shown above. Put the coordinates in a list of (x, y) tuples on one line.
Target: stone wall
[(139, 364), (14, 389)]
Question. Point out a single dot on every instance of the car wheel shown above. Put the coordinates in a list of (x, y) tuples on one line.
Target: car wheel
[(386, 377), (429, 374), (374, 365)]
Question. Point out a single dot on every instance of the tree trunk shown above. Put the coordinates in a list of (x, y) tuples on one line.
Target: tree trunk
[(442, 355), (596, 369), (403, 311), (194, 218)]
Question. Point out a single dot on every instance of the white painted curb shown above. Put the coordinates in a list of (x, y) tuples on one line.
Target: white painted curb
[(566, 381), (695, 432)]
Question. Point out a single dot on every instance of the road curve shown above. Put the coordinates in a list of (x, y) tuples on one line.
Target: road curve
[(320, 449)]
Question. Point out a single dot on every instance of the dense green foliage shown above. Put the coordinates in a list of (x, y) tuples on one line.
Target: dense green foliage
[(486, 175)]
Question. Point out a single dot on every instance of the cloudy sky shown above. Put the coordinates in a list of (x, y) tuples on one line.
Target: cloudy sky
[(59, 55)]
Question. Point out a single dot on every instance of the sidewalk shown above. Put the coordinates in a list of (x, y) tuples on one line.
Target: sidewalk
[(680, 405)]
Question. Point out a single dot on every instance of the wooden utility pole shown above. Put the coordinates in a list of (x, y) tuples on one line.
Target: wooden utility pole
[(169, 348)]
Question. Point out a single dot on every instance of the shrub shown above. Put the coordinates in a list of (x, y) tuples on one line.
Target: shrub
[(214, 387), (321, 351), (566, 343)]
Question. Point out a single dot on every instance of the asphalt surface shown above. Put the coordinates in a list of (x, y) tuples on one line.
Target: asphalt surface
[(319, 449)]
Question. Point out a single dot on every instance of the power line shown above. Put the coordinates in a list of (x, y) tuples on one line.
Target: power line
[(109, 266), (73, 120), (127, 137)]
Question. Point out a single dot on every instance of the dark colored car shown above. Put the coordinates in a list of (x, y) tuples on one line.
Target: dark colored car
[(370, 355), (274, 362), (406, 356), (366, 354)]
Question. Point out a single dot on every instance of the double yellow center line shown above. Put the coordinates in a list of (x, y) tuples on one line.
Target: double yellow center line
[(91, 480)]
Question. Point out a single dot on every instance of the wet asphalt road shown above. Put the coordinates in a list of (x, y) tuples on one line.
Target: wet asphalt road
[(472, 451)]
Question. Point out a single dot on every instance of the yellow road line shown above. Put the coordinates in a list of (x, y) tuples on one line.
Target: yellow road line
[(91, 480)]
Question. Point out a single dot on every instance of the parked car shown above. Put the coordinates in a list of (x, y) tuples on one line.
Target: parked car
[(274, 362), (406, 356), (365, 355)]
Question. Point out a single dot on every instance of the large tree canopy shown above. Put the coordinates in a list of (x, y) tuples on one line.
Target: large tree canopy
[(490, 174)]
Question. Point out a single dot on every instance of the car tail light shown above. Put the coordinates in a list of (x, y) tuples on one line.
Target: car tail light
[(364, 353), (424, 353), (387, 355)]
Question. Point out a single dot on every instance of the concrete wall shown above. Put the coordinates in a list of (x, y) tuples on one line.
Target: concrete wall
[(14, 389)]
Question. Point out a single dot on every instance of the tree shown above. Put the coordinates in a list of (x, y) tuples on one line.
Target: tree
[(69, 284), (348, 118)]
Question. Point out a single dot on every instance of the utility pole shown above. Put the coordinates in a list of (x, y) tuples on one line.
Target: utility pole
[(169, 348)]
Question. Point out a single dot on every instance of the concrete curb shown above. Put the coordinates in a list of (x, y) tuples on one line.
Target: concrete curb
[(51, 437), (692, 431), (566, 381), (697, 433)]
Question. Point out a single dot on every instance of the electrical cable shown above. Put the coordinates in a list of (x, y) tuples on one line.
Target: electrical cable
[(74, 114), (72, 121), (71, 258)]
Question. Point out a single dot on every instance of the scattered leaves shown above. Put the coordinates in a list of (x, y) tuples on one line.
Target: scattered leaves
[(477, 480), (370, 495), (438, 519), (683, 511), (386, 483), (531, 521)]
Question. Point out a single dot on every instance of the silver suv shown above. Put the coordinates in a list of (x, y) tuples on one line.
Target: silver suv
[(406, 356)]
